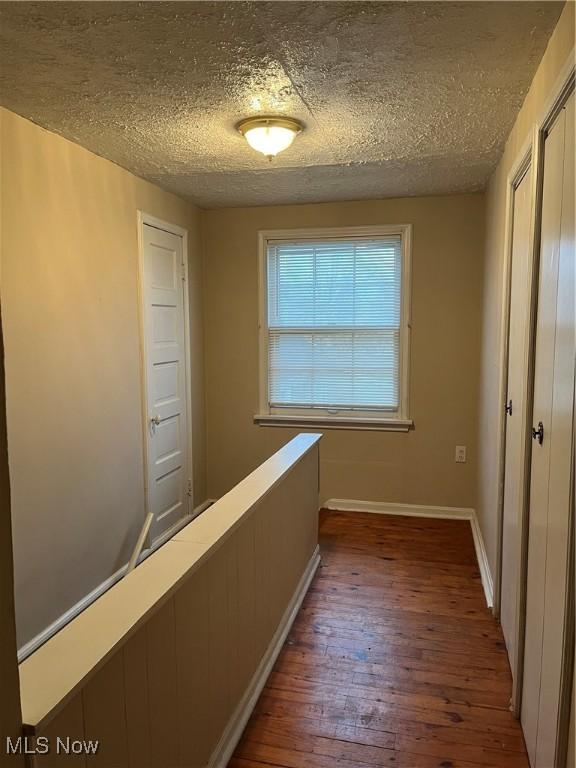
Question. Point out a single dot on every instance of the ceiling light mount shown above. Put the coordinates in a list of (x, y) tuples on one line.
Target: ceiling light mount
[(269, 134)]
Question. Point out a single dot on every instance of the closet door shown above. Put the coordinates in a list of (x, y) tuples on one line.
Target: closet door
[(516, 413), (550, 512)]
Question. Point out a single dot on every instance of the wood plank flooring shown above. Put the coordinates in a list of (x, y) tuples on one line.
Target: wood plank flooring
[(393, 660)]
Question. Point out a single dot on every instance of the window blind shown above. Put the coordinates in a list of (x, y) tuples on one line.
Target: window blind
[(334, 323)]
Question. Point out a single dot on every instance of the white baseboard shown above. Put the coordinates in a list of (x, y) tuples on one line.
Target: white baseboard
[(483, 564), (408, 510), (35, 643), (233, 731), (420, 510)]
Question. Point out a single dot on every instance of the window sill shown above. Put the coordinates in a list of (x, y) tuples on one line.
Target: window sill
[(335, 422)]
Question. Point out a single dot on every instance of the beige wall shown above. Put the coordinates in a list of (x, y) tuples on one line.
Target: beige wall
[(70, 303), (415, 467), (10, 722), (559, 47)]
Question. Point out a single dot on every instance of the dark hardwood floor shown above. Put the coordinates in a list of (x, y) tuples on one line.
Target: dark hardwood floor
[(393, 660)]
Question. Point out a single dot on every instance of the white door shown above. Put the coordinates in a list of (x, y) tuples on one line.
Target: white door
[(547, 578), (518, 338), (169, 484)]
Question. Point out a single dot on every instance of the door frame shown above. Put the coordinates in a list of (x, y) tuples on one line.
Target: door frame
[(523, 163), (173, 229), (568, 661), (565, 88), (532, 153)]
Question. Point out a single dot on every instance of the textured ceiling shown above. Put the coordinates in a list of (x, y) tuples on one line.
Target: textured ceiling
[(404, 98)]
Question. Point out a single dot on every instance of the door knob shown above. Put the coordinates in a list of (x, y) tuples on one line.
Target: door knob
[(538, 433), (508, 408)]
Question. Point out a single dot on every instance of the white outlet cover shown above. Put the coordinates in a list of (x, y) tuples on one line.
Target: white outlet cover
[(460, 455)]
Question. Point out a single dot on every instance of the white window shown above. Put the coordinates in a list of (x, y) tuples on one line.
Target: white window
[(334, 327)]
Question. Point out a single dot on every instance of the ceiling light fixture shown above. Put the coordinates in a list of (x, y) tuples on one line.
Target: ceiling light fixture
[(270, 135)]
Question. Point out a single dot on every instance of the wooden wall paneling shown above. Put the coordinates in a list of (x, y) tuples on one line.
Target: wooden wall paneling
[(310, 518), (273, 564), (218, 701), (284, 536), (261, 609), (234, 570), (275, 549), (304, 514), (191, 605), (137, 701), (105, 715), (68, 723), (299, 522), (247, 596), (162, 687)]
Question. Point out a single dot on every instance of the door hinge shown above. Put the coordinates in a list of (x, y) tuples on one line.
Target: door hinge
[(183, 272), (189, 489)]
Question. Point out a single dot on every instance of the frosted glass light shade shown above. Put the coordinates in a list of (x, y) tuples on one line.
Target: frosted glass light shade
[(269, 135)]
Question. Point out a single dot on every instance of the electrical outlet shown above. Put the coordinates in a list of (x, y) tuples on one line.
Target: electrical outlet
[(460, 456)]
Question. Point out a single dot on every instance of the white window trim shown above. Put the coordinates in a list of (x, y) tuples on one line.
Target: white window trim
[(398, 421)]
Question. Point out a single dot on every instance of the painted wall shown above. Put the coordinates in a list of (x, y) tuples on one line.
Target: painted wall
[(415, 467), (559, 47), (10, 718), (73, 369), (10, 721)]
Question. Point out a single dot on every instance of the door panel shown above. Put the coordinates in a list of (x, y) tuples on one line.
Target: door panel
[(168, 484), (521, 271), (551, 460), (560, 464), (544, 358)]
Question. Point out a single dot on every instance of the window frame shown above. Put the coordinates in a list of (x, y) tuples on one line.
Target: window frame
[(397, 421)]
